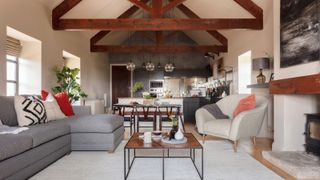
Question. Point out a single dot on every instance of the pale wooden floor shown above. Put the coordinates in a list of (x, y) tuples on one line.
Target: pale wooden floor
[(262, 144)]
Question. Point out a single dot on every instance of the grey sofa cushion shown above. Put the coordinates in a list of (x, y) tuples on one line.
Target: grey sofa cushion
[(43, 133), (8, 114), (100, 123), (12, 145)]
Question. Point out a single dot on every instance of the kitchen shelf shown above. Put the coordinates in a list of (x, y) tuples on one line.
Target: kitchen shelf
[(265, 85)]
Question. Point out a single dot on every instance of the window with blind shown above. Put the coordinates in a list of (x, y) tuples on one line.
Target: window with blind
[(13, 50)]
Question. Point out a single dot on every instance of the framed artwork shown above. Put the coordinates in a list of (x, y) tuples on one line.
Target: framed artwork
[(300, 32)]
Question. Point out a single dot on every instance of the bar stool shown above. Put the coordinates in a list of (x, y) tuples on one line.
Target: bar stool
[(143, 113)]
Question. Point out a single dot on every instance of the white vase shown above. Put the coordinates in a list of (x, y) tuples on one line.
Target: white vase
[(179, 135)]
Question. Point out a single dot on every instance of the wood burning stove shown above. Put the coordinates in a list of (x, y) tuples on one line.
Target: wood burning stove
[(313, 134)]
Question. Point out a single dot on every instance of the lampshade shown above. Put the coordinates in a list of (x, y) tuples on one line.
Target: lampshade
[(261, 63)]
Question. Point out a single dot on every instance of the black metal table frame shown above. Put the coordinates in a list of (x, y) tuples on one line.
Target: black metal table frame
[(128, 163)]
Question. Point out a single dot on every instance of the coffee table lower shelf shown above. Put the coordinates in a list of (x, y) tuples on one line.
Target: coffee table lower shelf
[(128, 163)]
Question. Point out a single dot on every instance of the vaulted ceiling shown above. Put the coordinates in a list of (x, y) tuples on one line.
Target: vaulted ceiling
[(205, 9)]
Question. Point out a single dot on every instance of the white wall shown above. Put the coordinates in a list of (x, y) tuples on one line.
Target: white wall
[(259, 42), (31, 18), (289, 118), (30, 68)]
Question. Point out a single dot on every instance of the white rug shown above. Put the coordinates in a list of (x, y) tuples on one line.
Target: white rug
[(298, 164), (220, 163)]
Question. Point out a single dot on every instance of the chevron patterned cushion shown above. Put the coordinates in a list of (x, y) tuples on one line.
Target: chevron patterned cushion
[(30, 111)]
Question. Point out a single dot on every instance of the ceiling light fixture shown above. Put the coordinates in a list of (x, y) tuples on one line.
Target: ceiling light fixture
[(131, 66), (150, 66)]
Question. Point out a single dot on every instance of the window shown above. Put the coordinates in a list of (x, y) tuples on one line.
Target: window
[(23, 61), (244, 73), (12, 75)]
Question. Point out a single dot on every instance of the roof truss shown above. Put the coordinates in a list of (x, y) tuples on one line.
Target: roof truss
[(157, 24)]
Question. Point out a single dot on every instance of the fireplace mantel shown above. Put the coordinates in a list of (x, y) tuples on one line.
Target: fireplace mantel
[(299, 85)]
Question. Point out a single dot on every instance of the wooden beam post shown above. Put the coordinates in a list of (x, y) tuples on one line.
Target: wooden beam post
[(189, 13), (129, 12), (157, 48), (171, 5), (158, 24), (62, 9), (251, 7), (142, 5)]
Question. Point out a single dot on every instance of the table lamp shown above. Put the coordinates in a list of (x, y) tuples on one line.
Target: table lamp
[(260, 64)]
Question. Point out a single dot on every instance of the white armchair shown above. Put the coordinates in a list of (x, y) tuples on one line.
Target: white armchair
[(246, 124)]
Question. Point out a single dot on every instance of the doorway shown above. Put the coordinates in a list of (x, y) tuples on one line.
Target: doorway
[(120, 82)]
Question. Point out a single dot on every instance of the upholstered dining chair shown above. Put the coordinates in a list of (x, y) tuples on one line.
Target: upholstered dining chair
[(244, 125)]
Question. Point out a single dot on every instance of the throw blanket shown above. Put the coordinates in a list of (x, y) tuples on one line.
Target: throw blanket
[(215, 111), (11, 130)]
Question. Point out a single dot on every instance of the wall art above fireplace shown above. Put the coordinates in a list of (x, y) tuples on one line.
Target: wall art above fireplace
[(300, 32)]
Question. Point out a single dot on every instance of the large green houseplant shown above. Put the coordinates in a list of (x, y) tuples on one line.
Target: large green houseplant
[(67, 82)]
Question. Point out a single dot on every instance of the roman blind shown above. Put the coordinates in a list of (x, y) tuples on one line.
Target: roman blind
[(13, 46)]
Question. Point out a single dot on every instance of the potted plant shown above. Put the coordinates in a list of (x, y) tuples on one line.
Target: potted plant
[(147, 98), (138, 86), (68, 82)]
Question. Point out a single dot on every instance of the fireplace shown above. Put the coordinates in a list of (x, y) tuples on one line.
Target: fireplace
[(313, 134)]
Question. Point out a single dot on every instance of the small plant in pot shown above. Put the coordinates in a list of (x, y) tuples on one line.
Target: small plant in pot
[(138, 86), (67, 82)]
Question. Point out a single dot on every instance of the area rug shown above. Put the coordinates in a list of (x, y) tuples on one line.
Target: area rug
[(220, 162), (298, 164)]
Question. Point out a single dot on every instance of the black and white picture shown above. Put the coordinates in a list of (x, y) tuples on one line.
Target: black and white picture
[(300, 35)]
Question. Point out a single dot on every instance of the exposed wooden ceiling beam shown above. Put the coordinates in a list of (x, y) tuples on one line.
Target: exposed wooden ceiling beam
[(142, 5), (157, 24), (171, 5), (129, 12), (97, 37), (157, 48), (251, 7), (156, 9), (62, 9), (171, 34), (148, 36), (189, 13), (159, 37)]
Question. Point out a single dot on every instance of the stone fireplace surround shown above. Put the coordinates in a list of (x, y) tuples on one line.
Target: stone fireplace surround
[(293, 99)]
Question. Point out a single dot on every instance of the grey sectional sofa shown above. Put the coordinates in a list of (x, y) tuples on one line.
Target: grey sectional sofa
[(25, 154)]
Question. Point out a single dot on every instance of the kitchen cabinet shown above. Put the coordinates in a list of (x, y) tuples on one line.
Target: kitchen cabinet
[(190, 106)]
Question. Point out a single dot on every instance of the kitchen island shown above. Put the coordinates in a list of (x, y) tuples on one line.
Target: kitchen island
[(189, 105)]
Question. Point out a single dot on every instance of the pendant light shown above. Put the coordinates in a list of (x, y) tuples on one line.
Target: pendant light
[(130, 66), (150, 66)]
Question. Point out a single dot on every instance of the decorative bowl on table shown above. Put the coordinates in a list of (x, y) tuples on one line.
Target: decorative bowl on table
[(167, 140)]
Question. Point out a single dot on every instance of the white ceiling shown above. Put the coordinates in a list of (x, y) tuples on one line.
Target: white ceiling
[(114, 8)]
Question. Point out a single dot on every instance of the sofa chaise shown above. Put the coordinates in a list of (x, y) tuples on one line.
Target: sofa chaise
[(30, 151)]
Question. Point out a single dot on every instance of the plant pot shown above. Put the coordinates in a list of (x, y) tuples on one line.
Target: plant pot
[(148, 101)]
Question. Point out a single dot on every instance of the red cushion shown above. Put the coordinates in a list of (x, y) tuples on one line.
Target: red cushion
[(63, 101), (44, 95), (245, 104)]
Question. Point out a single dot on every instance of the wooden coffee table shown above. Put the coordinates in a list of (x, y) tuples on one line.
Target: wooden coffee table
[(135, 143)]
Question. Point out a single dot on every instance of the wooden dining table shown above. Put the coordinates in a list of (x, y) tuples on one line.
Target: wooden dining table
[(146, 110)]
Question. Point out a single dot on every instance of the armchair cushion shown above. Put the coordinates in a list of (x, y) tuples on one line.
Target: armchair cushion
[(219, 127), (245, 104)]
